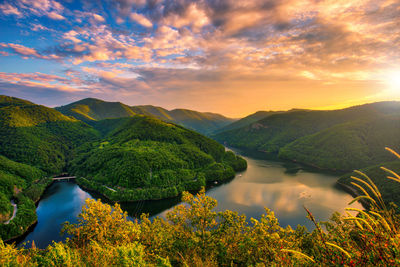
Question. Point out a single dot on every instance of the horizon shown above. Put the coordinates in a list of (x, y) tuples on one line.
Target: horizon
[(235, 118), (226, 57)]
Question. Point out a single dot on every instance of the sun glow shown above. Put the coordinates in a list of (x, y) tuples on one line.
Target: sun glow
[(392, 80)]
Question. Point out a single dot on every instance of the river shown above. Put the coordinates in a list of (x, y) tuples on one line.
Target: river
[(283, 187)]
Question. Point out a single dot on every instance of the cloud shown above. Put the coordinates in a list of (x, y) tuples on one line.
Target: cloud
[(55, 16), (98, 18), (142, 20), (27, 51), (8, 9), (24, 8), (39, 27), (207, 47), (71, 35), (193, 16), (50, 82)]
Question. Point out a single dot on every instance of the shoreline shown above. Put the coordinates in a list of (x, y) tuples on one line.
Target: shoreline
[(32, 224), (275, 157)]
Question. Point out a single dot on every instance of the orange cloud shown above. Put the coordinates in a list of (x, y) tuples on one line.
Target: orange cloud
[(142, 20)]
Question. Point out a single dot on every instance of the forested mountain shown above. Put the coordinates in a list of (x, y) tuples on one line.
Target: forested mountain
[(38, 135), (347, 146), (24, 185), (246, 121), (90, 109), (146, 158), (325, 139)]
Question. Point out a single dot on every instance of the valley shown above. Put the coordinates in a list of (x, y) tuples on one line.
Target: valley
[(288, 161)]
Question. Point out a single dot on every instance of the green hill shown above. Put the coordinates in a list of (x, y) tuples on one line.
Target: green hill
[(246, 121), (39, 136), (316, 137), (90, 109), (24, 185), (146, 158), (348, 146)]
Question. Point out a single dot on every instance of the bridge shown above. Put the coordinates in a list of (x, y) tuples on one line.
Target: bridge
[(63, 178)]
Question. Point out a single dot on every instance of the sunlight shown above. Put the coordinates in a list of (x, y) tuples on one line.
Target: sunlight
[(393, 82)]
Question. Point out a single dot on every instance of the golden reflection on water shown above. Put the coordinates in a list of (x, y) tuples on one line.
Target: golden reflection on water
[(270, 184)]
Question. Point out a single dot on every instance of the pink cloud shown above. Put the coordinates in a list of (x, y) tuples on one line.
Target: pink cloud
[(8, 9), (55, 16), (98, 18), (49, 8), (41, 80), (71, 35), (39, 27), (27, 51), (142, 20)]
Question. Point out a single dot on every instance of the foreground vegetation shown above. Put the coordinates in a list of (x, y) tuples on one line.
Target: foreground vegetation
[(193, 234)]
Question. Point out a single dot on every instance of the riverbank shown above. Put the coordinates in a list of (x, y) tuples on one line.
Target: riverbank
[(25, 216), (148, 194)]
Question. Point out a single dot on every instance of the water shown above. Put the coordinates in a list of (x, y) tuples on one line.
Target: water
[(283, 187), (61, 202)]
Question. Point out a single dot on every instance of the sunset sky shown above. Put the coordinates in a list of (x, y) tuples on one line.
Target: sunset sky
[(226, 56)]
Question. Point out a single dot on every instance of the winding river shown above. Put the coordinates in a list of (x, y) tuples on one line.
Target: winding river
[(283, 187)]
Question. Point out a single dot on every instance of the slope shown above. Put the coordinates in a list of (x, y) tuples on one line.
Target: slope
[(246, 121), (146, 158), (90, 109), (22, 184), (348, 146), (39, 136), (276, 131)]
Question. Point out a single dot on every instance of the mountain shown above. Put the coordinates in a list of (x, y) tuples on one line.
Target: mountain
[(146, 158), (38, 135), (91, 109), (338, 139), (347, 146), (135, 157), (246, 121)]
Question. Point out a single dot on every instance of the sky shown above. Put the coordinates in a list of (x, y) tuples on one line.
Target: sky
[(226, 56)]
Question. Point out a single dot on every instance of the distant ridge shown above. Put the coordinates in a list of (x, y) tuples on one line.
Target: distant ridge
[(92, 109)]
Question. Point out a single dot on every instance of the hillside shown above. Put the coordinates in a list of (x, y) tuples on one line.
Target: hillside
[(352, 145), (246, 121), (39, 136), (302, 135), (23, 184), (90, 109), (146, 158)]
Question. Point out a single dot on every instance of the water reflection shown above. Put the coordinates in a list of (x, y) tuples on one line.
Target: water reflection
[(62, 201), (283, 187)]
